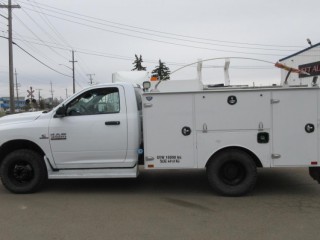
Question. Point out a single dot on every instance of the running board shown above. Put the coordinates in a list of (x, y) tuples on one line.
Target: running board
[(95, 173)]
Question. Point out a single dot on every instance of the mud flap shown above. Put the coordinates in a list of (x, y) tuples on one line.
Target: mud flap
[(315, 173)]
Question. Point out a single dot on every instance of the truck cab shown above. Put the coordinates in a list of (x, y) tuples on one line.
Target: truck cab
[(94, 134)]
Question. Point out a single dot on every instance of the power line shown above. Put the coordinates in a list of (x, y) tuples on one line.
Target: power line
[(171, 63), (40, 61), (42, 29), (57, 33), (155, 35), (51, 26), (81, 50), (42, 43), (166, 42), (53, 50), (124, 57), (146, 29), (177, 44), (89, 52), (37, 59), (127, 58), (33, 48)]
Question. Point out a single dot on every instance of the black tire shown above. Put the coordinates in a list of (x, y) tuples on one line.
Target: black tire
[(23, 171), (232, 173)]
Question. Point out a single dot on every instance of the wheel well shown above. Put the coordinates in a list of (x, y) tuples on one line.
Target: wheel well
[(254, 157), (13, 145)]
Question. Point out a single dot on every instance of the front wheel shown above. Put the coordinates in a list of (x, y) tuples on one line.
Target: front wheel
[(23, 171), (232, 173)]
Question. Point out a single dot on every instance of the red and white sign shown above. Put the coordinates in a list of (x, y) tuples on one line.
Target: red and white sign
[(30, 93), (312, 68)]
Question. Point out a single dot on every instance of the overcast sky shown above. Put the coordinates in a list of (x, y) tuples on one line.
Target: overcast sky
[(106, 35)]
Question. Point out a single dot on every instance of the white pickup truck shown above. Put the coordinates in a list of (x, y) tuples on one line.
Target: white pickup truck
[(97, 133)]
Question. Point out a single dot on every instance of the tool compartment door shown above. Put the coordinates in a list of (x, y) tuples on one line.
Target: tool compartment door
[(294, 116), (232, 118), (168, 131)]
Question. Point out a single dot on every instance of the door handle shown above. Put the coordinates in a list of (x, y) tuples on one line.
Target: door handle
[(146, 105), (112, 123)]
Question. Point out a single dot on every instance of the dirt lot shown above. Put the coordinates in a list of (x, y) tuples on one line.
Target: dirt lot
[(165, 205)]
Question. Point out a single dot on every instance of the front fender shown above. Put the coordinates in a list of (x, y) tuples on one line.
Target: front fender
[(31, 134)]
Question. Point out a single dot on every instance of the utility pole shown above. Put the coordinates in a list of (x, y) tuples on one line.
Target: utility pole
[(91, 78), (39, 96), (17, 86), (11, 80), (73, 76), (66, 93), (51, 94)]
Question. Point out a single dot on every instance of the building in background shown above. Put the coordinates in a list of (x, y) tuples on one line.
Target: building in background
[(307, 60), (5, 103)]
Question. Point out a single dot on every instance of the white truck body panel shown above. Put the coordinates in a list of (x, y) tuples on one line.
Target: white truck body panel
[(180, 85), (162, 124), (232, 125), (290, 116), (215, 124)]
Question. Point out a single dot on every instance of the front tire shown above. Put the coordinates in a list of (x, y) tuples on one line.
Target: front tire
[(232, 173), (23, 171)]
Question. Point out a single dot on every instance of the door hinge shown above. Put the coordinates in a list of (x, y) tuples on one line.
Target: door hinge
[(260, 127), (275, 156), (204, 128), (273, 101)]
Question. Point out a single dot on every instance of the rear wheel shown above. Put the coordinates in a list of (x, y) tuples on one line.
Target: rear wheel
[(232, 173), (23, 171)]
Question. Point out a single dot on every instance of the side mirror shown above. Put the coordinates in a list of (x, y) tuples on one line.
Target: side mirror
[(61, 112)]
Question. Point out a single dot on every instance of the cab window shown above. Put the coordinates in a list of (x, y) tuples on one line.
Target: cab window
[(96, 101)]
